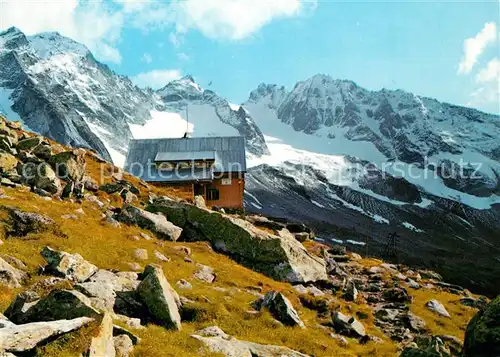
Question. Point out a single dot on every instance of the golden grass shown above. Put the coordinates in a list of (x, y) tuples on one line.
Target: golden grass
[(460, 314), (112, 248), (227, 307)]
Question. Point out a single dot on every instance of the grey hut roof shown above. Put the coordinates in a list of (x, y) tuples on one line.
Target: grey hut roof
[(228, 153)]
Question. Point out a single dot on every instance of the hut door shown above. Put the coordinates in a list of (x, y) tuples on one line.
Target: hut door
[(199, 189)]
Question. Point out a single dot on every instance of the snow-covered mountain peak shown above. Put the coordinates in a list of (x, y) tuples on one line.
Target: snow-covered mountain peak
[(183, 89), (48, 44), (12, 38)]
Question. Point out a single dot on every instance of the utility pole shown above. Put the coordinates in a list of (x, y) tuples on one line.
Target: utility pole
[(391, 247)]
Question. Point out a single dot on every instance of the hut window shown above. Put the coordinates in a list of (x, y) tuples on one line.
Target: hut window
[(212, 194)]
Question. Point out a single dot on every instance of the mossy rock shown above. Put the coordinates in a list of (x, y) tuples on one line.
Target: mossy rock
[(282, 258), (8, 162), (69, 165), (482, 337), (29, 143)]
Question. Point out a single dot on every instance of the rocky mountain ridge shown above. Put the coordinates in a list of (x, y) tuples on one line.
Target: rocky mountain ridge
[(58, 89)]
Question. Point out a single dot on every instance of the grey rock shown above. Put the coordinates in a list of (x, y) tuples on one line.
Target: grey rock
[(70, 266), (59, 305), (29, 143), (350, 291), (41, 176), (118, 331), (20, 338), (159, 297), (102, 295), (437, 307), (219, 342), (183, 284), (347, 325), (121, 281), (156, 223), (69, 165), (130, 322), (20, 305), (205, 273), (282, 309), (23, 223), (103, 344), (279, 256), (478, 303), (11, 277)]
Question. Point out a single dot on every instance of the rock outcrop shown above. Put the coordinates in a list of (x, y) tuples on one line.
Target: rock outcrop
[(279, 256), (482, 337)]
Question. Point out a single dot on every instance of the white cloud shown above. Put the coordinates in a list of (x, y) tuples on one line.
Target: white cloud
[(175, 39), (474, 46), (221, 19), (133, 5), (157, 78), (183, 56), (235, 19), (486, 98), (91, 23), (99, 23), (147, 58), (490, 73)]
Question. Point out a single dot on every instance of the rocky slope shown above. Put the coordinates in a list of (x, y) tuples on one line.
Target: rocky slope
[(136, 283)]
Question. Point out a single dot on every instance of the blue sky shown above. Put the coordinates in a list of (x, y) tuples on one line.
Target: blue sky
[(446, 50)]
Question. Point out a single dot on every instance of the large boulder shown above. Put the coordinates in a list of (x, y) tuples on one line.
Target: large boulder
[(348, 325), (60, 305), (217, 341), (156, 223), (20, 305), (10, 276), (102, 295), (482, 337), (70, 266), (29, 143), (103, 344), (279, 256), (69, 165), (20, 338), (22, 223), (40, 176), (121, 281), (161, 300), (282, 309)]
